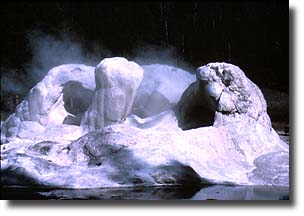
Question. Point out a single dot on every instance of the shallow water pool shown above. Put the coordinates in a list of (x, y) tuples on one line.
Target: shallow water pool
[(214, 192)]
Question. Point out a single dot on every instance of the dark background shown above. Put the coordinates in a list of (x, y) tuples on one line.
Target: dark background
[(250, 34)]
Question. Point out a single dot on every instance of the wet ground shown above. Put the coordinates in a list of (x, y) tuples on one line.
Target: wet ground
[(214, 192)]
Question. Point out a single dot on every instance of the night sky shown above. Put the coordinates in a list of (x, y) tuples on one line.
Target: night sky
[(250, 34)]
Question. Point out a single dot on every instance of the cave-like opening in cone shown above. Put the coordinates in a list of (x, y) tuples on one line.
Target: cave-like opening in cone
[(77, 99), (195, 108), (196, 116)]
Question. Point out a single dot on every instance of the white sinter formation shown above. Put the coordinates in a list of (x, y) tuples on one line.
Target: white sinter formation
[(117, 80), (155, 125), (46, 104)]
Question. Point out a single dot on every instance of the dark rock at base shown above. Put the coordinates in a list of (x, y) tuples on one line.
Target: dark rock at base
[(277, 104)]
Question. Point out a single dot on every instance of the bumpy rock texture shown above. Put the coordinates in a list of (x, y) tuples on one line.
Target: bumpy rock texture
[(224, 92), (230, 142)]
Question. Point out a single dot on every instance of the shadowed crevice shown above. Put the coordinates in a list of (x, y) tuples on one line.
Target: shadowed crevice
[(77, 99)]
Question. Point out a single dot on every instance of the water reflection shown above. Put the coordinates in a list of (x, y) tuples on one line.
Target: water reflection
[(214, 192)]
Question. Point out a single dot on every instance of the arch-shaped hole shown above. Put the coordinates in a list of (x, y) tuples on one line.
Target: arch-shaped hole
[(77, 99), (195, 108), (195, 117)]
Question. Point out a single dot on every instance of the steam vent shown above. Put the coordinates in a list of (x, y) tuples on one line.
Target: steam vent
[(121, 124)]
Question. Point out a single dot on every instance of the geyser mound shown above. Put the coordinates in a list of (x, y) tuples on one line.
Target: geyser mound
[(142, 126)]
